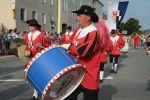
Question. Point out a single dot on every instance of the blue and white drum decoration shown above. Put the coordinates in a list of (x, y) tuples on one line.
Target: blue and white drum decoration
[(54, 73)]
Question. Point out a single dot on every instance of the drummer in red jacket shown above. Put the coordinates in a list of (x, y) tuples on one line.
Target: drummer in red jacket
[(86, 47), (36, 41), (68, 36), (118, 43)]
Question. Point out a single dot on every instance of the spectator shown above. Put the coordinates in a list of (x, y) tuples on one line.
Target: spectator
[(1, 41), (56, 36), (17, 35), (10, 38)]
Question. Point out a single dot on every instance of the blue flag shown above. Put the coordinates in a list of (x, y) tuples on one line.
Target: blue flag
[(116, 12)]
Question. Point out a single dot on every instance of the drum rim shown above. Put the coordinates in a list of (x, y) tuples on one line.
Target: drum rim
[(33, 59), (57, 76)]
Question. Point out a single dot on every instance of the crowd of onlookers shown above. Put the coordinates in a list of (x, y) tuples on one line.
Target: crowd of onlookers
[(146, 43), (144, 39), (6, 37)]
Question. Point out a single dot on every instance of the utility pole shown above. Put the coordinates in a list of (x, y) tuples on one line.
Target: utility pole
[(59, 17)]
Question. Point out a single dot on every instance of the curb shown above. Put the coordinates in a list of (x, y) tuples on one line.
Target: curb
[(7, 56)]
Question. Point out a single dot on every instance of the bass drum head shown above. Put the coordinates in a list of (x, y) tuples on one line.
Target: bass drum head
[(64, 85)]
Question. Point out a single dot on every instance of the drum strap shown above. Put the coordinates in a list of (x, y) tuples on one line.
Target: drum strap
[(31, 42)]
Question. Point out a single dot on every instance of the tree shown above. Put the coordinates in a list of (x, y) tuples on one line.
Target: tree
[(121, 27), (132, 25)]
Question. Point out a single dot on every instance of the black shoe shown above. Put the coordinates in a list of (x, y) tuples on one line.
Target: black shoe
[(33, 98), (112, 71), (115, 72), (100, 81)]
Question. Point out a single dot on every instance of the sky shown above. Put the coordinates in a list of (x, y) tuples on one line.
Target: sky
[(138, 9)]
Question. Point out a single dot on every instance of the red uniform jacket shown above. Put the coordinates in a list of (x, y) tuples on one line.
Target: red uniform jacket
[(104, 54), (136, 40), (118, 43), (67, 37), (34, 40), (86, 46)]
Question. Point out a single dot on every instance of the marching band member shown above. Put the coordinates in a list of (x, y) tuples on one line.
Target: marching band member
[(103, 60), (86, 47), (118, 43), (67, 37), (136, 40), (106, 45), (36, 41)]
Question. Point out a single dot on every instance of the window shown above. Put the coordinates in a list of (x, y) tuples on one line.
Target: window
[(76, 7), (34, 14), (64, 5), (23, 14), (73, 27), (72, 14), (89, 3), (97, 5), (51, 2), (44, 1), (51, 17), (43, 18), (80, 3), (73, 1)]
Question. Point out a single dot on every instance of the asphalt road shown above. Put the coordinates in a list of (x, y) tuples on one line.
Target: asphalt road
[(130, 83)]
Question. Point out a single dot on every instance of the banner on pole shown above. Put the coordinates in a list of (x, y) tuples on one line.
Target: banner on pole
[(116, 12)]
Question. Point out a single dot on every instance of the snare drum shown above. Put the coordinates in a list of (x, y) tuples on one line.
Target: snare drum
[(54, 73)]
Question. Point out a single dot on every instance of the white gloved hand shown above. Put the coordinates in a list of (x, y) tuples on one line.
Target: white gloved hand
[(66, 46)]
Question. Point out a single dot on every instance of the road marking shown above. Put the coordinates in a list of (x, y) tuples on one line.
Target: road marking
[(108, 77), (137, 47), (7, 56), (11, 80)]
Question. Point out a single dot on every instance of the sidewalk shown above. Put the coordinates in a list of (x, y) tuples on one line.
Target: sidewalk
[(7, 56)]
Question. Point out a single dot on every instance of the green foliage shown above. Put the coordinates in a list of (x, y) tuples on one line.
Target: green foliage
[(53, 24), (132, 26), (121, 27)]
